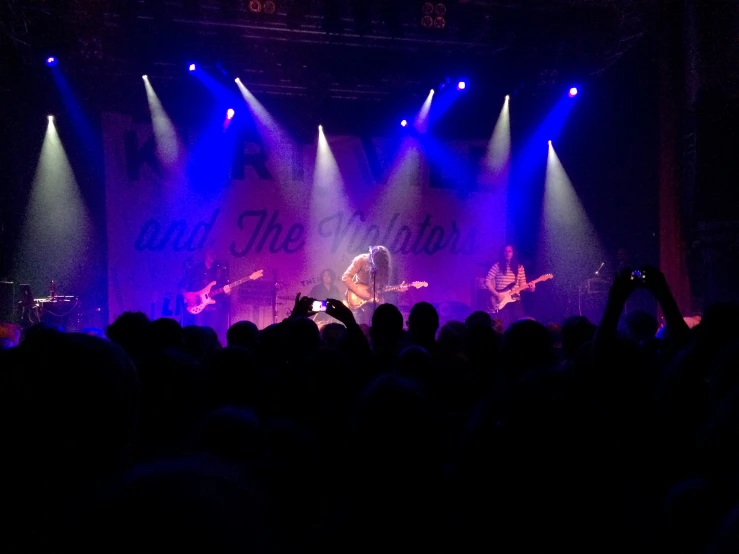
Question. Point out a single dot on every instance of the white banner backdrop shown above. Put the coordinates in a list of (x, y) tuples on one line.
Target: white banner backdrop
[(266, 207)]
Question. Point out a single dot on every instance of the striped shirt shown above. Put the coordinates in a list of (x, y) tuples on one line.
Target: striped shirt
[(501, 279)]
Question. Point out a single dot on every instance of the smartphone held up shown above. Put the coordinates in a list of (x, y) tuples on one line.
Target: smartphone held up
[(318, 306), (640, 276)]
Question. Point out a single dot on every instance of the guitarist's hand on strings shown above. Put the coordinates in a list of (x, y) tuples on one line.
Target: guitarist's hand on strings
[(531, 287), (363, 294)]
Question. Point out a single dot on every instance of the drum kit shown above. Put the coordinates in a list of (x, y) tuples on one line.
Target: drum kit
[(58, 310)]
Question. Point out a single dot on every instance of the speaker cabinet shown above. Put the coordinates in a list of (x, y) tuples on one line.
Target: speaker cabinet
[(7, 302)]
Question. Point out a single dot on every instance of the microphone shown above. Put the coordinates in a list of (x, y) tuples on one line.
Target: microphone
[(597, 271)]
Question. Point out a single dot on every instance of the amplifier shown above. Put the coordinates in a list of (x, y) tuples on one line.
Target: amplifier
[(596, 285), (7, 302)]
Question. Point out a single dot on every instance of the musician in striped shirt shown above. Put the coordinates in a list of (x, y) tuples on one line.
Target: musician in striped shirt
[(507, 273)]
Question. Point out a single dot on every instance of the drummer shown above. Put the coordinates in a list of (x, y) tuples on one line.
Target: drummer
[(326, 286)]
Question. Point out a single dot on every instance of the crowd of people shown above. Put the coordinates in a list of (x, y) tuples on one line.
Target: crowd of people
[(393, 436)]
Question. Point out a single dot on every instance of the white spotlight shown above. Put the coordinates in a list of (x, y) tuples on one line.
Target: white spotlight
[(51, 118), (320, 128), (507, 97), (145, 77), (431, 92), (237, 80)]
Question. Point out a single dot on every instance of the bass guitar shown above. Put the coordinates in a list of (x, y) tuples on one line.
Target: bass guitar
[(196, 302), (510, 293), (355, 301)]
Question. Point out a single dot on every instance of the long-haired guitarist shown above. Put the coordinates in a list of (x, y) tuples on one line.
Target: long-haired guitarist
[(505, 274), (369, 272)]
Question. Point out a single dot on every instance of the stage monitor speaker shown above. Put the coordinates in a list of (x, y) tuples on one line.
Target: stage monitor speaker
[(480, 295), (7, 302)]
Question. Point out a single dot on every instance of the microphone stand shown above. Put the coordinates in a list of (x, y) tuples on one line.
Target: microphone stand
[(374, 280)]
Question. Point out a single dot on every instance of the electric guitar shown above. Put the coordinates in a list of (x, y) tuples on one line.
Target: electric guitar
[(507, 294), (354, 301), (196, 302)]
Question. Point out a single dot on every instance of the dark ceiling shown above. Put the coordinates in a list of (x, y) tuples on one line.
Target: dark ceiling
[(358, 49)]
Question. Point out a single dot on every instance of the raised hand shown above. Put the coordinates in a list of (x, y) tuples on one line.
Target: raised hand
[(623, 285), (302, 307), (655, 282), (337, 309)]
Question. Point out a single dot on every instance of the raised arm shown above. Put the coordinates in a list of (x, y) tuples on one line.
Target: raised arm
[(656, 283)]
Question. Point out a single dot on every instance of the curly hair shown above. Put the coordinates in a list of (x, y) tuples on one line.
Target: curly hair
[(331, 274)]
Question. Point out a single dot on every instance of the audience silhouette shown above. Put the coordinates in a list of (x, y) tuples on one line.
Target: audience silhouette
[(459, 438)]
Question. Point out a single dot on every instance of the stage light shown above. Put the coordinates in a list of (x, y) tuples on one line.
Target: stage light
[(461, 85), (145, 77), (507, 97), (550, 143), (51, 60), (237, 80), (573, 92), (192, 67), (230, 113), (403, 123), (320, 128), (433, 16), (431, 92), (51, 118)]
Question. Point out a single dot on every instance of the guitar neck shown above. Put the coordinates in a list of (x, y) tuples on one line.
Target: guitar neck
[(233, 285), (414, 284), (518, 288), (392, 288)]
